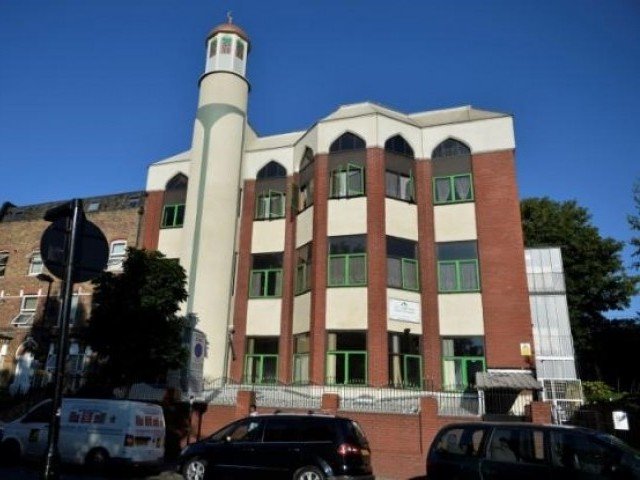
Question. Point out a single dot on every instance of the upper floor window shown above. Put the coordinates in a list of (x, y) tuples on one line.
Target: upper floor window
[(305, 191), (239, 49), (4, 259), (452, 177), (347, 141), (269, 205), (303, 269), (35, 264), (398, 145), (117, 254), (347, 261), (28, 307), (226, 45), (213, 47), (450, 148), (347, 181), (451, 189), (272, 170), (266, 275), (399, 186), (458, 267), (402, 263), (175, 197)]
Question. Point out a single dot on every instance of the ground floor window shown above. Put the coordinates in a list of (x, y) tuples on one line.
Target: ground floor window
[(301, 358), (462, 358), (261, 360), (346, 358), (405, 360)]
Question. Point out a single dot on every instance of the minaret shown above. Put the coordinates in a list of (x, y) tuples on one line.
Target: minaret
[(214, 182)]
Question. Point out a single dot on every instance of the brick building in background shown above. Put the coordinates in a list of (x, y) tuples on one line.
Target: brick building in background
[(29, 294)]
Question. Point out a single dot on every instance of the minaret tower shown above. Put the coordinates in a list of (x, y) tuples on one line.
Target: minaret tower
[(214, 182)]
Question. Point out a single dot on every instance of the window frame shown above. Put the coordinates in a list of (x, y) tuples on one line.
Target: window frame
[(452, 186), (399, 176), (347, 354), (32, 264), (346, 170), (269, 215), (458, 275), (265, 286), (4, 261), (176, 209), (28, 314), (465, 359), (347, 268), (111, 262), (259, 367)]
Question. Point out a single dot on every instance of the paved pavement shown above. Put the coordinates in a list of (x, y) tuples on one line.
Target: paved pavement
[(30, 472)]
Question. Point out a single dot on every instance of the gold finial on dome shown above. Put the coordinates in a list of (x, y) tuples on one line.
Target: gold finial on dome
[(229, 17)]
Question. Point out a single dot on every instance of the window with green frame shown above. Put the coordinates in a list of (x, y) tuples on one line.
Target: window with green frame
[(346, 358), (405, 361), (458, 267), (266, 276), (347, 181), (402, 264), (261, 360), (399, 186), (453, 189), (173, 216), (347, 261), (462, 358), (301, 358), (270, 205), (303, 269)]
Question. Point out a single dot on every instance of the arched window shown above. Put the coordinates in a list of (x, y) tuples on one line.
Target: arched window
[(399, 169), (270, 191), (305, 192), (175, 197), (452, 176), (347, 141), (450, 148), (398, 145), (272, 170)]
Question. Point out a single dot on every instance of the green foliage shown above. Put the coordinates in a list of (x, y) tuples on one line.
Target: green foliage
[(596, 280), (134, 326), (634, 222), (598, 391)]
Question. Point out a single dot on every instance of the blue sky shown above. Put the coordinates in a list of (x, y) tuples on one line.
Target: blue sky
[(92, 92)]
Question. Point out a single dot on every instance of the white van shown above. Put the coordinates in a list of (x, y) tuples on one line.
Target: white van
[(92, 432)]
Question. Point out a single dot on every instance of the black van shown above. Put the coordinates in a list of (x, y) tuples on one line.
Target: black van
[(287, 446), (523, 451)]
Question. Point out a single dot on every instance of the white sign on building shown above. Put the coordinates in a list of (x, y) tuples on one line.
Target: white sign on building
[(620, 420), (404, 310)]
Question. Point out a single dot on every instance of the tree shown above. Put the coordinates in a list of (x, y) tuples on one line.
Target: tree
[(596, 280), (634, 222), (134, 327)]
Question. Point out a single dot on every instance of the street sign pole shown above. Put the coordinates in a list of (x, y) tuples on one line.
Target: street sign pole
[(52, 466)]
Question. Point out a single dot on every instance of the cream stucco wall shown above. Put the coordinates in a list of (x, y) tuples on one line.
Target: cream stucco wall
[(170, 242), (347, 216), (453, 223), (301, 313), (480, 135), (401, 219), (160, 173), (461, 314), (268, 236), (263, 317), (346, 308), (399, 325), (304, 227)]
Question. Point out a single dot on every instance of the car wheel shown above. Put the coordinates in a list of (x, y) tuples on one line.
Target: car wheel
[(10, 452), (194, 469), (97, 459), (309, 473)]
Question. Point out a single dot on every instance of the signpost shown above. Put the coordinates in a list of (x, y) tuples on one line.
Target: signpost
[(74, 250)]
